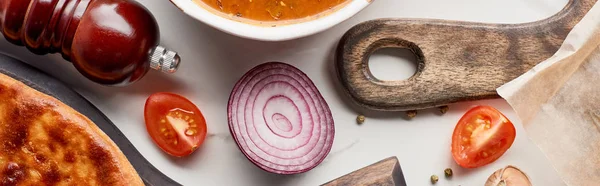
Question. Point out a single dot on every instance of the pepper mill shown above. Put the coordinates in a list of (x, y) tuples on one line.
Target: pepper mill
[(111, 42)]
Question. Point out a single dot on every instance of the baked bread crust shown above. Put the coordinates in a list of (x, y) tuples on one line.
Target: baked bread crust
[(45, 142)]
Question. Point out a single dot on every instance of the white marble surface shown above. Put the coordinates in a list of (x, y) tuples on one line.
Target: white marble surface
[(213, 61)]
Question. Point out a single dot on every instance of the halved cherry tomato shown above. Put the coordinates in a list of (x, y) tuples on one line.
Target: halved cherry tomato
[(175, 124), (481, 136)]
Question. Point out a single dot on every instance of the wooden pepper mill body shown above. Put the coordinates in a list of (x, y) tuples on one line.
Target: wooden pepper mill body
[(111, 42)]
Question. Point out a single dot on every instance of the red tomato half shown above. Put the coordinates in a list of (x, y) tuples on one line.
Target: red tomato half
[(175, 124), (481, 136)]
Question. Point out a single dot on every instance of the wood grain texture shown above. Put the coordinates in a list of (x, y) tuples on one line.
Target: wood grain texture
[(386, 172), (457, 61)]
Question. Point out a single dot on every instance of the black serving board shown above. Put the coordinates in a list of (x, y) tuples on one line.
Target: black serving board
[(53, 87)]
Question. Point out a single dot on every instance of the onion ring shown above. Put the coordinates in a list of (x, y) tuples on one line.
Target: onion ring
[(279, 119)]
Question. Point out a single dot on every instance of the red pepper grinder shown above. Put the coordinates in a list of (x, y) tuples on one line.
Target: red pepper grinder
[(111, 42)]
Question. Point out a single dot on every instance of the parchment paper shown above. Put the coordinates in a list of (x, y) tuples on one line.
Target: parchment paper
[(558, 102)]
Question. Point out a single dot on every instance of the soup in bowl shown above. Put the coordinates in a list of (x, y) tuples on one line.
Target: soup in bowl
[(271, 20)]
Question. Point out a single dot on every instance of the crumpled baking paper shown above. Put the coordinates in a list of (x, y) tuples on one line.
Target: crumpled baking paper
[(558, 102)]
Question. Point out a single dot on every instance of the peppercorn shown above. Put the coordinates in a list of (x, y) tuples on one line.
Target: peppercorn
[(444, 109), (448, 172), (411, 114), (434, 179), (360, 119)]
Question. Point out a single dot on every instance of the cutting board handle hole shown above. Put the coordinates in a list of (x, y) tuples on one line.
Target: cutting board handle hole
[(393, 64)]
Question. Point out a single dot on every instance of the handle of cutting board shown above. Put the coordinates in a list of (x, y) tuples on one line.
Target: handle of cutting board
[(457, 61)]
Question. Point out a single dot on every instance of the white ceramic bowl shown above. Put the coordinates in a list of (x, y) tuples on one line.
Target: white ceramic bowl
[(268, 33)]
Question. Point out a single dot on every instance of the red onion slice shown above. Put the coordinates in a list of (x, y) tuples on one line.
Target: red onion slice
[(279, 119)]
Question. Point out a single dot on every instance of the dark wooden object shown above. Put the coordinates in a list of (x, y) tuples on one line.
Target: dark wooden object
[(110, 42), (457, 61), (386, 172)]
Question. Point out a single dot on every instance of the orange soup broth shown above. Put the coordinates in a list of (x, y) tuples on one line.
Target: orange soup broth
[(272, 12)]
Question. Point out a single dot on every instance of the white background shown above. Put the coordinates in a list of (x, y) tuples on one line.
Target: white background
[(213, 61)]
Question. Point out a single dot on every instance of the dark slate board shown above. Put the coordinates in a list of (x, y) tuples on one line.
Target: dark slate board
[(51, 86)]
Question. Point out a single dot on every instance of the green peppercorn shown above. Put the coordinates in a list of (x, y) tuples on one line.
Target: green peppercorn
[(360, 119), (434, 179), (448, 172), (411, 114), (444, 109)]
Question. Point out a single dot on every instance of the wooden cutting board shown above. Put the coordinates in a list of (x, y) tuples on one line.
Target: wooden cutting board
[(457, 61), (51, 86), (386, 172)]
